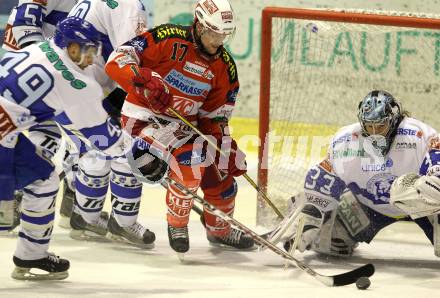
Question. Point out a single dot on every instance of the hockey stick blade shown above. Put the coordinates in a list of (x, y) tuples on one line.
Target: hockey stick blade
[(351, 277), (334, 280)]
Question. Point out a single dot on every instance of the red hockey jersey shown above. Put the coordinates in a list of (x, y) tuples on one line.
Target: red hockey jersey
[(204, 89)]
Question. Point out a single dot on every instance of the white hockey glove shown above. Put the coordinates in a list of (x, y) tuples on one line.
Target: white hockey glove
[(418, 196)]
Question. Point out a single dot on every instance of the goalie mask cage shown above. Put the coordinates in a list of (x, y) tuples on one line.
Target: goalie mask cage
[(316, 65)]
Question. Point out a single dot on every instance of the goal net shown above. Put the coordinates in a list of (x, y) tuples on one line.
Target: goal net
[(316, 66)]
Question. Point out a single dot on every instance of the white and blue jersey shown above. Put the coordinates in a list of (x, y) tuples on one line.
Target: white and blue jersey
[(34, 20), (42, 83), (118, 21), (357, 165)]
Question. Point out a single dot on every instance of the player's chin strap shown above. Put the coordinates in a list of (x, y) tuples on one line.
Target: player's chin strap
[(419, 196)]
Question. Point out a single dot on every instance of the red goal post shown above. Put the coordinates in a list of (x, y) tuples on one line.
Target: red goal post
[(268, 15)]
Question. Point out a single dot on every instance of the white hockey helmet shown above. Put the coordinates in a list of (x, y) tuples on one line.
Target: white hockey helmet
[(216, 15)]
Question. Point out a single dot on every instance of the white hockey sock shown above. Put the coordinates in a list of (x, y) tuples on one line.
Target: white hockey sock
[(38, 213), (92, 180), (126, 193)]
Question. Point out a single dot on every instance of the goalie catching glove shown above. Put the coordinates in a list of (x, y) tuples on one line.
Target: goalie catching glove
[(150, 87), (418, 196)]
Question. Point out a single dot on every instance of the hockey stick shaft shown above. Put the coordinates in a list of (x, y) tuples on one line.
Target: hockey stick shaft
[(213, 144), (336, 280)]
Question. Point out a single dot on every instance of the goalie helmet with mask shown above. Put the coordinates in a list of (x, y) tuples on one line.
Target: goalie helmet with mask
[(214, 25), (80, 39), (379, 115)]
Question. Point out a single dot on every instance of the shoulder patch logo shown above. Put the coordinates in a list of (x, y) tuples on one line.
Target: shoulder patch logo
[(139, 43), (141, 27)]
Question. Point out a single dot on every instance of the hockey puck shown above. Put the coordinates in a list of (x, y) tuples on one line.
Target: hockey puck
[(363, 283)]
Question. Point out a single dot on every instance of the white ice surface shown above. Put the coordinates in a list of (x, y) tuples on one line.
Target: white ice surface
[(404, 260)]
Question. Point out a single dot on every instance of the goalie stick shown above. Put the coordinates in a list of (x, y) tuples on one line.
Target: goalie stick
[(342, 279)]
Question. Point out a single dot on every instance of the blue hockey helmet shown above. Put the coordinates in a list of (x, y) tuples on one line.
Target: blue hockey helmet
[(77, 30), (379, 115)]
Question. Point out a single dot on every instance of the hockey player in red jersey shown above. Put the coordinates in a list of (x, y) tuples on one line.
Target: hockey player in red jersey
[(189, 70)]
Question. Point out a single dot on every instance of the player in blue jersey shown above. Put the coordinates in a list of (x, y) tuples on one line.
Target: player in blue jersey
[(32, 81), (116, 22), (32, 21)]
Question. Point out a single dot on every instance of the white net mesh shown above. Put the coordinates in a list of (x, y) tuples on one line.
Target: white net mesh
[(321, 70)]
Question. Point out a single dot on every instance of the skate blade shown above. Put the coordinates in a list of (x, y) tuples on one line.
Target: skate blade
[(64, 222), (20, 273), (181, 257), (84, 235), (120, 239), (230, 248)]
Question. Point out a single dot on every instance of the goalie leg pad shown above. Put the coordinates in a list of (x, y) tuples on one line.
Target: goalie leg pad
[(286, 229), (342, 226), (353, 223)]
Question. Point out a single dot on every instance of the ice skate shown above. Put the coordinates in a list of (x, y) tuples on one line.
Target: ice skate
[(136, 234), (179, 240), (82, 230), (235, 239), (56, 268)]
